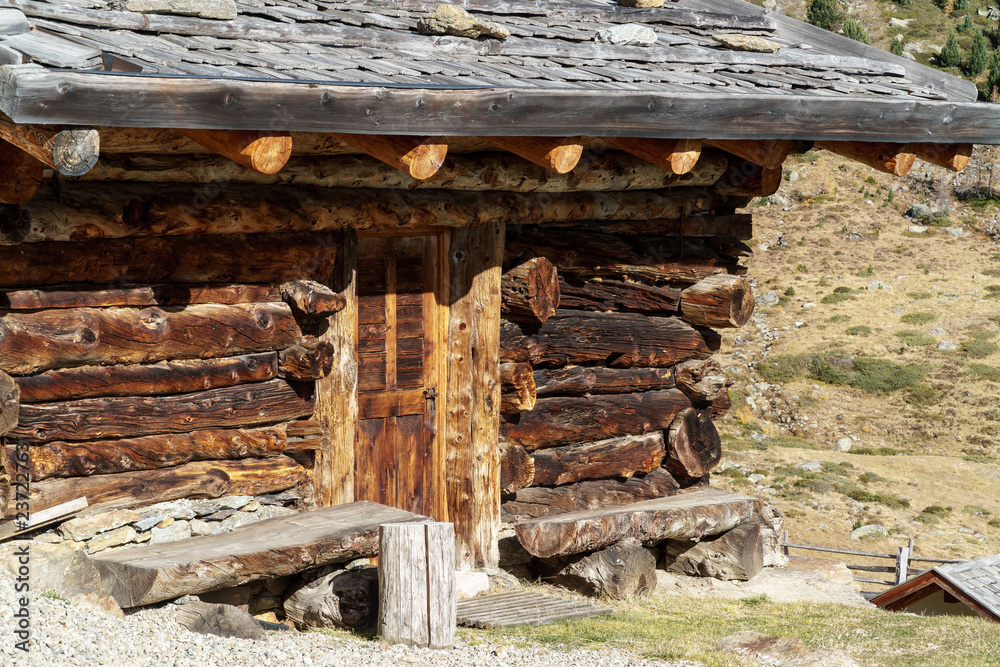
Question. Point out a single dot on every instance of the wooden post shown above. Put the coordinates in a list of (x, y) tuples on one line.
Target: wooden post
[(416, 591), (472, 474), (784, 542), (336, 394), (902, 564)]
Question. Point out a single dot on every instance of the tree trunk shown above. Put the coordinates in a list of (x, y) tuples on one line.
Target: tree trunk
[(308, 359), (261, 258), (131, 416), (39, 341), (687, 516), (693, 446), (530, 291), (614, 457), (563, 420), (340, 599), (101, 457), (604, 294), (701, 380), (619, 340), (200, 479), (145, 295), (719, 301), (165, 377), (541, 501), (621, 571), (517, 388), (517, 469), (737, 554)]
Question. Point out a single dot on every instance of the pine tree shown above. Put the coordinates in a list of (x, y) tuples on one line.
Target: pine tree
[(961, 5), (993, 78), (967, 25), (950, 55), (979, 56), (823, 14), (896, 48), (856, 31)]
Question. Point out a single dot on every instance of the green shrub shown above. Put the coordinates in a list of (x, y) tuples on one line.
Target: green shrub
[(975, 509), (919, 296), (878, 451), (860, 330), (874, 376), (991, 373), (790, 291), (979, 56), (937, 510), (977, 349), (783, 368), (870, 477), (802, 268), (916, 338), (965, 25), (922, 396), (995, 523), (856, 31), (993, 78), (836, 297), (979, 458), (961, 5), (790, 441), (814, 485), (918, 318), (839, 318), (862, 496), (950, 55), (823, 14)]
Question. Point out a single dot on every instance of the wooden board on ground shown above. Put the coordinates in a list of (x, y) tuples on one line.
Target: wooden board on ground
[(686, 516), (522, 608), (264, 550)]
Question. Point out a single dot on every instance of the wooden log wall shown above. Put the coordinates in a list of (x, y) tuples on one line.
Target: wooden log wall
[(162, 368), (619, 326)]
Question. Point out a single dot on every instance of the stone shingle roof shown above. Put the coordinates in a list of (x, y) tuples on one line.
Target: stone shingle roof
[(978, 578)]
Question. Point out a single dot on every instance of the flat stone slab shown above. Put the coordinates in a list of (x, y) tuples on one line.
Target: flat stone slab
[(263, 550), (502, 610), (685, 516)]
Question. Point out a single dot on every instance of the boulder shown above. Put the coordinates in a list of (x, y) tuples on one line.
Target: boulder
[(65, 570), (627, 34), (452, 20), (766, 648), (870, 531), (86, 527), (739, 42), (112, 538)]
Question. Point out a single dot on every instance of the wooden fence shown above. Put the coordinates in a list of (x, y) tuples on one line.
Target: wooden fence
[(900, 570)]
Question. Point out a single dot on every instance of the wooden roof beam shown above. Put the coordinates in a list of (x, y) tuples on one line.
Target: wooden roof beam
[(558, 154), (264, 152), (896, 159), (768, 154), (677, 155), (20, 175), (950, 156), (71, 152), (419, 157)]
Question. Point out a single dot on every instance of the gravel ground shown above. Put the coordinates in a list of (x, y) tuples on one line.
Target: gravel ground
[(63, 635)]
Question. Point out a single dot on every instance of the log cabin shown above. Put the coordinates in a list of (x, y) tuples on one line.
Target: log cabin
[(470, 263)]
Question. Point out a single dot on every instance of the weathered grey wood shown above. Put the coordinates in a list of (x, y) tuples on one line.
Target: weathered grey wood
[(40, 96), (308, 297), (59, 513), (701, 380), (522, 608), (417, 594), (222, 620), (130, 416), (688, 516), (339, 599), (540, 501), (737, 554), (579, 380), (264, 550), (614, 457), (10, 401), (620, 571)]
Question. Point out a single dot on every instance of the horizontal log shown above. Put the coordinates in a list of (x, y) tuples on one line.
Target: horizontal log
[(38, 341), (131, 416), (90, 210), (71, 152), (597, 171), (265, 258), (562, 420), (558, 154), (165, 377), (950, 156), (619, 340), (677, 155), (744, 178), (101, 457), (308, 297), (701, 380), (687, 516), (890, 158), (579, 380), (604, 294), (530, 291), (309, 359), (199, 479), (769, 153), (720, 301), (20, 175), (541, 501), (517, 469), (614, 457), (517, 388), (145, 295), (417, 157), (263, 152), (305, 435)]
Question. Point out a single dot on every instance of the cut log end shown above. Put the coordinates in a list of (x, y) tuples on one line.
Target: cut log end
[(531, 290), (693, 446), (517, 468), (425, 160), (720, 301), (557, 154), (950, 156), (269, 152), (686, 154), (75, 151)]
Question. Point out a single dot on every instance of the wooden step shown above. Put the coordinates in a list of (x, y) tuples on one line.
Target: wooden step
[(522, 608), (687, 516), (271, 548)]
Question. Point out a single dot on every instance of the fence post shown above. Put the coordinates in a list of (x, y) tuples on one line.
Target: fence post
[(785, 543), (902, 563)]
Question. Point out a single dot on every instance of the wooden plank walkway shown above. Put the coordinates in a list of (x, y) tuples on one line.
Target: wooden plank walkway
[(522, 608), (271, 548)]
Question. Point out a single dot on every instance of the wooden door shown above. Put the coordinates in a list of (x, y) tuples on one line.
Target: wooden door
[(398, 454)]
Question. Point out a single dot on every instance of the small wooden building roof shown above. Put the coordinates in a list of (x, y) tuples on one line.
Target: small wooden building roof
[(361, 66), (976, 583)]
